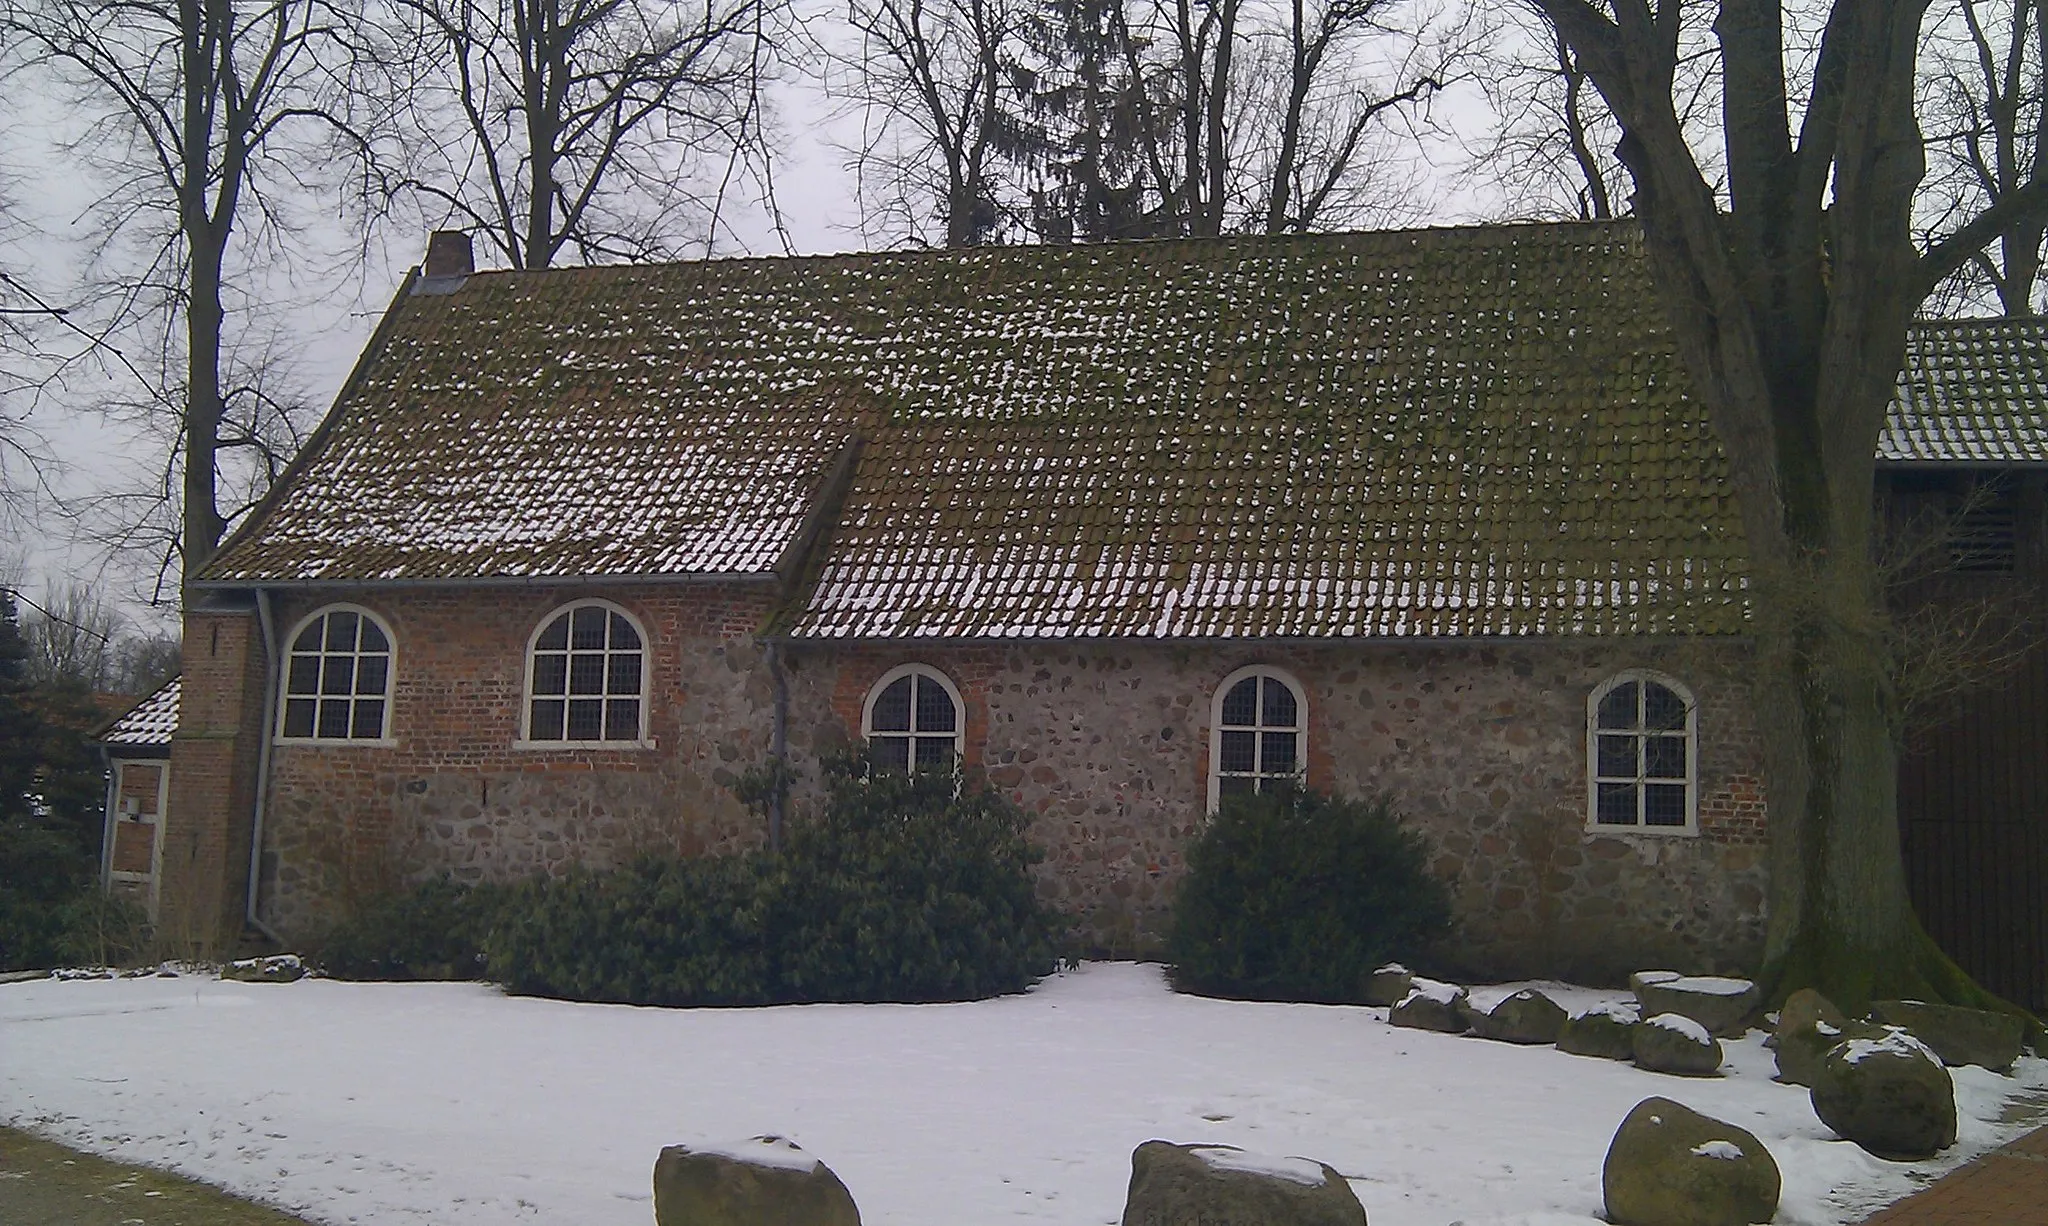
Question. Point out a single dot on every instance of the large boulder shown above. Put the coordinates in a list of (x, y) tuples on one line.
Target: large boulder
[(1527, 1016), (1672, 1043), (764, 1181), (1173, 1185), (1387, 985), (1604, 1030), (277, 968), (1671, 1166), (1723, 1006), (1431, 1005), (1809, 1026), (1890, 1095), (1959, 1036)]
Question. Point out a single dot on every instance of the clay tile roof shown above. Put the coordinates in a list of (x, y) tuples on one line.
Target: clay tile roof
[(1477, 431), (1973, 391), (149, 722)]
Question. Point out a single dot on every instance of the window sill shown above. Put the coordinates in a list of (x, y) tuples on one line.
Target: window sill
[(1655, 832), (315, 742), (623, 746)]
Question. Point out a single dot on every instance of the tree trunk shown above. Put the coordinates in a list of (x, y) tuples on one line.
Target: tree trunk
[(201, 39)]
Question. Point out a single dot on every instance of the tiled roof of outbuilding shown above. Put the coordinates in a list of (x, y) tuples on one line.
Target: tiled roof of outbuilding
[(1973, 391), (149, 722), (1477, 431)]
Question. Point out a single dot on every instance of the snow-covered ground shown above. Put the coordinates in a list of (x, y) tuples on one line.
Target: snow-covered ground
[(453, 1104)]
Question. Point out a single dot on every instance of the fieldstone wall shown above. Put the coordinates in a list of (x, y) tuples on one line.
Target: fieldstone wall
[(1483, 748), (452, 791)]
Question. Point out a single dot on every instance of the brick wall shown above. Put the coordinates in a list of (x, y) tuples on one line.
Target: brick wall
[(213, 772), (454, 793)]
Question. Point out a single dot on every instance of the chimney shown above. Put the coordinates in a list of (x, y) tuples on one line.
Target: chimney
[(449, 255)]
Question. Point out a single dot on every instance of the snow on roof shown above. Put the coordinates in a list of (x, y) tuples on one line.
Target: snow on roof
[(1477, 431), (149, 722), (1974, 391)]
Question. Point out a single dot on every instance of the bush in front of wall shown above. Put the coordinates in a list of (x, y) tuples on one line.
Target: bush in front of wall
[(898, 888), (1297, 895), (435, 930)]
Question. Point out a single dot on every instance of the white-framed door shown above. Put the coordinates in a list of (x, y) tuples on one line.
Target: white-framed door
[(135, 856)]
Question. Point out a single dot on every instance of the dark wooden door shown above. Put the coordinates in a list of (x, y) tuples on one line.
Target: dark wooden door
[(1973, 809)]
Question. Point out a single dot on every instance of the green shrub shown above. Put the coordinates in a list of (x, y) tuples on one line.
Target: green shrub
[(900, 888), (435, 930), (1296, 895)]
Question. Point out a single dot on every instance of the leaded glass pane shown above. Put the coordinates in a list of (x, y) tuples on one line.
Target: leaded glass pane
[(550, 674), (622, 719), (892, 707), (1664, 804), (1235, 785), (304, 677), (547, 719), (586, 719), (341, 632), (309, 638), (623, 674), (624, 637), (369, 722), (1279, 703), (298, 716), (1663, 711), (371, 674), (1618, 707), (586, 673), (1617, 804), (1241, 705), (1278, 758), (1238, 753), (373, 638), (892, 752), (1618, 756), (555, 637), (934, 707), (1664, 757), (334, 719), (586, 631), (934, 751), (338, 676)]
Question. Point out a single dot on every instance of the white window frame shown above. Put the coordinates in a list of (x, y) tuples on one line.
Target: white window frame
[(1594, 778), (526, 696), (1301, 717), (929, 673), (384, 739)]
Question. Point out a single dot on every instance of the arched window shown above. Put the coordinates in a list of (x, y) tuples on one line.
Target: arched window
[(1256, 725), (586, 677), (914, 720), (337, 678), (1642, 755)]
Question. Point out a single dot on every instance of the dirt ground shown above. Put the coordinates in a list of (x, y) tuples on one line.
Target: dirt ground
[(45, 1184)]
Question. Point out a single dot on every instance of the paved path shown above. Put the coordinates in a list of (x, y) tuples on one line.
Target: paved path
[(2006, 1187)]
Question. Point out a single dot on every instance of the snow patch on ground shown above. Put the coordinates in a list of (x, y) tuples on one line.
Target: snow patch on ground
[(457, 1105)]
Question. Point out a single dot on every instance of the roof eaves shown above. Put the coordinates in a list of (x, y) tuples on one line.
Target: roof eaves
[(499, 581)]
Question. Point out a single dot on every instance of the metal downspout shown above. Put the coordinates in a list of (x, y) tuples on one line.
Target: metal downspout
[(778, 745), (263, 765)]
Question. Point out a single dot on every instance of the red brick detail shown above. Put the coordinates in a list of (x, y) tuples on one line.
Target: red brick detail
[(213, 779)]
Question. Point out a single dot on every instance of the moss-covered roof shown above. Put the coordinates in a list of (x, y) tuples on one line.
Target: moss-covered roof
[(1478, 431), (1974, 391)]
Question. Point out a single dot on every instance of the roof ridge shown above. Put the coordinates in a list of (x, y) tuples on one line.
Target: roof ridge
[(1493, 234)]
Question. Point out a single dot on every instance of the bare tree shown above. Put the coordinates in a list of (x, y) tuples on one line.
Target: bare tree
[(202, 103), (941, 91), (1788, 295), (1986, 110), (583, 128)]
